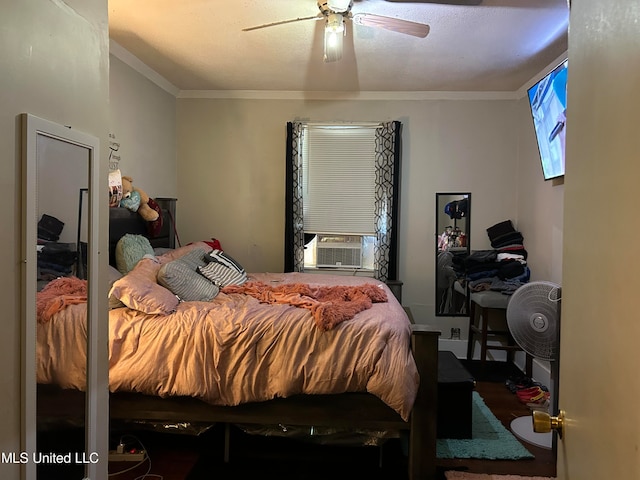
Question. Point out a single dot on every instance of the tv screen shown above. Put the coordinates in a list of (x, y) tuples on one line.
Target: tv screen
[(548, 102)]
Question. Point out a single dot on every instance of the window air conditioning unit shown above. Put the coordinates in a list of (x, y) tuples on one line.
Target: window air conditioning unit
[(332, 251)]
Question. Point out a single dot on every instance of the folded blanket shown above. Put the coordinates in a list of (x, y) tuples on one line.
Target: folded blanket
[(329, 305), (58, 294)]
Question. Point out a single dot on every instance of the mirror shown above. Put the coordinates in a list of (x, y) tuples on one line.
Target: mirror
[(453, 219), (60, 221)]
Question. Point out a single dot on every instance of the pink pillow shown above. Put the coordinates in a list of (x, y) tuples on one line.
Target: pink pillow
[(139, 290)]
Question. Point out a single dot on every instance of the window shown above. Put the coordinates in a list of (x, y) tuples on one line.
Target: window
[(338, 190), (386, 187)]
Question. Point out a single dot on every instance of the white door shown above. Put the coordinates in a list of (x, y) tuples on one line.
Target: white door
[(600, 331)]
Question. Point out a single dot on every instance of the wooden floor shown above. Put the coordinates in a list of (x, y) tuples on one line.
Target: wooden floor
[(185, 457), (506, 407)]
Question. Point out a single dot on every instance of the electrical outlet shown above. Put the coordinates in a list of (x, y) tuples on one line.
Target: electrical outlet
[(136, 456)]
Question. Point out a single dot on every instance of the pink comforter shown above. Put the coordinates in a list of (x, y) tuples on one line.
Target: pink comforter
[(236, 349)]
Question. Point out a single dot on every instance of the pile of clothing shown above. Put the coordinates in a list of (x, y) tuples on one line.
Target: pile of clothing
[(56, 259), (533, 394), (49, 228), (502, 268)]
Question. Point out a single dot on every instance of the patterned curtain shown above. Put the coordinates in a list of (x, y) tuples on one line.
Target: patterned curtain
[(294, 224), (386, 201)]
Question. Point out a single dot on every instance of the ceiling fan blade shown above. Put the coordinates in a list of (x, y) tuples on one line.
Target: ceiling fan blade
[(389, 23), (282, 22)]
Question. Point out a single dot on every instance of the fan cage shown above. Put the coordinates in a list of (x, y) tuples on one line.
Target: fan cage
[(533, 318)]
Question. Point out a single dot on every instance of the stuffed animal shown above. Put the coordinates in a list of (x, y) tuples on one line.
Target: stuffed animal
[(131, 201), (137, 200)]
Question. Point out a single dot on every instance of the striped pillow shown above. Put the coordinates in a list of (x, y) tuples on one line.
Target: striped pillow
[(195, 258), (223, 270), (221, 275), (182, 278), (220, 257)]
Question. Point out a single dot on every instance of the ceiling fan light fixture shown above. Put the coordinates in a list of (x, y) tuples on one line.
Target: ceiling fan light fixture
[(339, 6), (333, 37)]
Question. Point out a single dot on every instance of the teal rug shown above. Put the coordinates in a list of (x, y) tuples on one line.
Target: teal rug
[(490, 439)]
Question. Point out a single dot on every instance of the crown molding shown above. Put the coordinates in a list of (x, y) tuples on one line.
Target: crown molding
[(300, 95), (142, 68)]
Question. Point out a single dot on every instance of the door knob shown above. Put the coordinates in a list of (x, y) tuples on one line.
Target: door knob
[(544, 423)]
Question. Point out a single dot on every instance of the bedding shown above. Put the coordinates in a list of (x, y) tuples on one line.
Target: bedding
[(329, 305), (58, 294), (236, 348), (130, 249), (140, 291)]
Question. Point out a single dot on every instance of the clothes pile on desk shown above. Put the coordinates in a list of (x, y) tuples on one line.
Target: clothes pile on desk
[(504, 267), (55, 259)]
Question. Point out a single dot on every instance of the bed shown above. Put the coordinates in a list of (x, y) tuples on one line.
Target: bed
[(260, 353)]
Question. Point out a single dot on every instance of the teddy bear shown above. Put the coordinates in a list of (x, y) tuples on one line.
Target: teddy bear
[(136, 200)]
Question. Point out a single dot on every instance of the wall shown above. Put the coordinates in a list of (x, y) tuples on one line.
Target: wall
[(54, 58), (143, 121), (540, 216), (540, 205), (231, 181)]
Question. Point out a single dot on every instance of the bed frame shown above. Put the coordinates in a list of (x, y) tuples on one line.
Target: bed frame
[(345, 411), (342, 411)]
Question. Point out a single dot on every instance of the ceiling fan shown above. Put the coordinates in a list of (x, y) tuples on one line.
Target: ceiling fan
[(443, 2), (336, 13)]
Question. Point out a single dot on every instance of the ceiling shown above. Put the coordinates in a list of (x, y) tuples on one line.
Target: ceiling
[(495, 46)]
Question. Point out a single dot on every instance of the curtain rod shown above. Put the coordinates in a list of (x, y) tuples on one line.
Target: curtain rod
[(344, 124)]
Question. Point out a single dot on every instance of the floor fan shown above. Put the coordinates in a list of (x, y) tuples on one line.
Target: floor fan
[(533, 318)]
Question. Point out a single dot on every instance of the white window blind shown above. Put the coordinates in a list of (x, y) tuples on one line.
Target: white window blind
[(339, 179)]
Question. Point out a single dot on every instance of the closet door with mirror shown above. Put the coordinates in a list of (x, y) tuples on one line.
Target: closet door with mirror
[(453, 219), (60, 272)]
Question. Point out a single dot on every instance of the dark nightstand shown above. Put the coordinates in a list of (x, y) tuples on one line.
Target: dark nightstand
[(396, 288)]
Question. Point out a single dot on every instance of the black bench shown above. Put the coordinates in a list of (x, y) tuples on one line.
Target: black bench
[(455, 388)]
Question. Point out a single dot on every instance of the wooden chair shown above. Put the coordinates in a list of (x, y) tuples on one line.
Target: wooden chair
[(487, 319)]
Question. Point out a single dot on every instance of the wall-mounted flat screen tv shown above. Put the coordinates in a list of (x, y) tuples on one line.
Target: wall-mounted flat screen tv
[(548, 102)]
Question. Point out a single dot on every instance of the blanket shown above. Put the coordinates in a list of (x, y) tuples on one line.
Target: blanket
[(58, 294), (329, 305)]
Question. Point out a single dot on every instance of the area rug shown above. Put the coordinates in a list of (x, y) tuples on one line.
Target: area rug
[(454, 475), (489, 440)]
